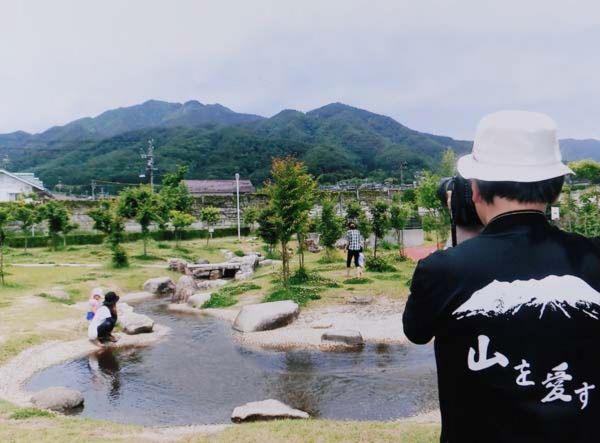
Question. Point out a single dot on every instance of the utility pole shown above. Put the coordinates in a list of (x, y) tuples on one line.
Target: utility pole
[(237, 191), (403, 166), (93, 189), (149, 157)]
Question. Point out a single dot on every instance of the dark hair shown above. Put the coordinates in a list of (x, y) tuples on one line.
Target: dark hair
[(545, 191), (352, 225)]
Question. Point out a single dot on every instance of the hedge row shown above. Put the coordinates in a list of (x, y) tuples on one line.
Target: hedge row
[(39, 241)]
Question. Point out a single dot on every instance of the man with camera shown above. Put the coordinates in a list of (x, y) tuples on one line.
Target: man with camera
[(515, 311)]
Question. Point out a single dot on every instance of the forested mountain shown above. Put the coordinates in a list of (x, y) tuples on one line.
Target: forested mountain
[(336, 142)]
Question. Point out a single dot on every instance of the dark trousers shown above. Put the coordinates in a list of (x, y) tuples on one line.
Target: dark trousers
[(351, 254), (105, 328)]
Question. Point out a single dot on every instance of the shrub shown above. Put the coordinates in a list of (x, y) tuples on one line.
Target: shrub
[(378, 264), (239, 253), (119, 258), (386, 245)]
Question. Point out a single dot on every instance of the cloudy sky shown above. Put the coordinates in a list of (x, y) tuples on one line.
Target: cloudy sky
[(435, 66)]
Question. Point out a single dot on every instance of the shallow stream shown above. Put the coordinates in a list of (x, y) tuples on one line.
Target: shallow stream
[(199, 374)]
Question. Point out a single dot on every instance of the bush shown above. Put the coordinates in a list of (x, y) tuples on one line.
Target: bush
[(386, 245), (119, 258), (240, 253), (378, 264)]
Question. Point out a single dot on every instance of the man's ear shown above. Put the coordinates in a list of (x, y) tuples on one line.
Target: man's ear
[(475, 190)]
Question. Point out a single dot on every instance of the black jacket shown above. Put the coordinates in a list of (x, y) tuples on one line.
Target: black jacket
[(515, 315)]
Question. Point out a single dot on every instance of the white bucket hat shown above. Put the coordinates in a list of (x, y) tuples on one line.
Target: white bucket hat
[(97, 291), (516, 146)]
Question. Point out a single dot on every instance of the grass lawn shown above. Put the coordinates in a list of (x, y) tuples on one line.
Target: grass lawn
[(26, 319)]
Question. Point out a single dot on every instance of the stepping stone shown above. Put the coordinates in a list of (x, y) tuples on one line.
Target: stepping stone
[(58, 399), (266, 316), (343, 336), (266, 410)]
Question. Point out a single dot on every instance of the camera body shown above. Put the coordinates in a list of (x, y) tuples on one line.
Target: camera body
[(462, 209)]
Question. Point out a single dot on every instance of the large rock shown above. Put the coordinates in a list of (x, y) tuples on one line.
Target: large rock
[(61, 295), (185, 288), (210, 284), (198, 300), (58, 399), (343, 337), (202, 261), (124, 309), (244, 274), (160, 286), (266, 262), (133, 323), (341, 243), (266, 316), (250, 261), (177, 265), (265, 410)]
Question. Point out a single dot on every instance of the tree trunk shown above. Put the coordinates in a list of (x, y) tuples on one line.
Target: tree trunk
[(402, 242), (145, 238), (25, 243), (284, 263), (375, 247)]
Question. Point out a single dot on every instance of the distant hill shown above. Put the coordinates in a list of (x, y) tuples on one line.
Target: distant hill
[(336, 141), (573, 150)]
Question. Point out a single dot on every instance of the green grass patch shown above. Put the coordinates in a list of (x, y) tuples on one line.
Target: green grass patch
[(239, 253), (64, 301), (14, 345), (25, 413), (390, 277), (227, 295), (147, 257), (163, 246), (357, 281), (299, 294)]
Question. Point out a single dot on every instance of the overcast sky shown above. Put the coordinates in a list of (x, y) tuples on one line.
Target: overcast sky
[(435, 66)]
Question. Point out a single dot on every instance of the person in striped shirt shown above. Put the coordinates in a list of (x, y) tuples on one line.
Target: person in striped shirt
[(353, 247)]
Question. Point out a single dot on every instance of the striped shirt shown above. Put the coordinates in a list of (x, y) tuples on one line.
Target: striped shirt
[(354, 240)]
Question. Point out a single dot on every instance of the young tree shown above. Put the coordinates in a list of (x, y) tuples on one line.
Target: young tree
[(4, 219), (57, 219), (27, 216), (144, 206), (107, 220), (355, 214), (251, 215), (380, 223), (175, 195), (180, 221), (330, 225), (587, 169), (437, 219), (210, 216), (291, 196), (448, 166), (267, 228), (399, 217)]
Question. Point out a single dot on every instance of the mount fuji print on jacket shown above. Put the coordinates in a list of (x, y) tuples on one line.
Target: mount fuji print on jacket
[(515, 314)]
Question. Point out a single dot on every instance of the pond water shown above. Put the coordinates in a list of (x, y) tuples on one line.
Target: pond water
[(199, 374)]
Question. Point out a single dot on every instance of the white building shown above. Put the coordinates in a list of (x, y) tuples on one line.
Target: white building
[(15, 184)]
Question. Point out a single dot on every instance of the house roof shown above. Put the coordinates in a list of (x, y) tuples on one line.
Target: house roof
[(28, 178), (218, 186)]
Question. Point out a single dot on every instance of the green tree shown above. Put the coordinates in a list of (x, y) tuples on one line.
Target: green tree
[(353, 211), (587, 169), (180, 221), (448, 165), (142, 205), (399, 217), (174, 193), (437, 219), (380, 222), (27, 216), (267, 227), (291, 196), (107, 220), (4, 219), (210, 216), (330, 225), (57, 219), (251, 215)]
